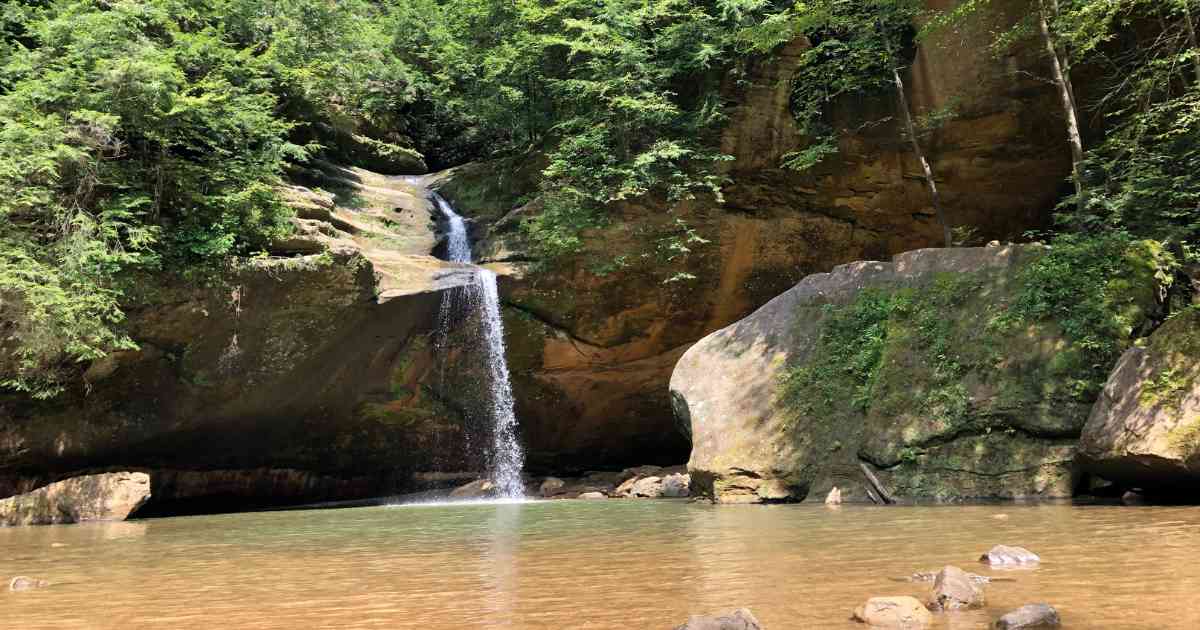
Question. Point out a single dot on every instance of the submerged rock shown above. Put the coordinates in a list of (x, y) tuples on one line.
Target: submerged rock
[(104, 497), (930, 576), (897, 613), (954, 589), (1144, 430), (22, 583), (740, 619), (592, 496), (1005, 556), (1029, 616)]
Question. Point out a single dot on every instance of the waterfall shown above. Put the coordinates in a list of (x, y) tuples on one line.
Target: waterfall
[(505, 458)]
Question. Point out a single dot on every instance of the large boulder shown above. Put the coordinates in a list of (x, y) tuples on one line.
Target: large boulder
[(740, 619), (893, 380), (1144, 431), (104, 497)]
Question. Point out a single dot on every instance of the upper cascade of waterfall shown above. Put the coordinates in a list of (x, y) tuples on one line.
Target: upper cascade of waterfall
[(458, 243)]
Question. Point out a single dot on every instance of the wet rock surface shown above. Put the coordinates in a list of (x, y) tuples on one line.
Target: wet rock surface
[(897, 613), (955, 589), (1009, 556), (1144, 431), (1029, 616), (103, 497), (740, 619)]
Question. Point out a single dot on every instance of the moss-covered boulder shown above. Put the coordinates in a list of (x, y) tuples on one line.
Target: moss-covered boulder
[(1144, 430), (945, 374)]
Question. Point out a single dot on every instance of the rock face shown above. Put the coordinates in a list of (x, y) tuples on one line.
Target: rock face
[(105, 497), (930, 409), (1007, 556), (740, 619), (1029, 616), (898, 613), (294, 378), (1144, 431), (954, 589), (594, 337)]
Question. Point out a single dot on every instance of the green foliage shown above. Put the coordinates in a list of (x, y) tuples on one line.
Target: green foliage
[(146, 135), (846, 357), (622, 96), (855, 47), (1097, 291), (1143, 174)]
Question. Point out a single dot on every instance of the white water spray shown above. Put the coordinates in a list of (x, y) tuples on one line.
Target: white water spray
[(506, 459)]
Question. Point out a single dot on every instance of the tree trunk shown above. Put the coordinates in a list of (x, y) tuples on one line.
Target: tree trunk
[(1191, 33), (920, 153), (1063, 82)]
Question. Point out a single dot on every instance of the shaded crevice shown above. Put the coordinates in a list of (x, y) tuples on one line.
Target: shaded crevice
[(551, 324), (966, 433)]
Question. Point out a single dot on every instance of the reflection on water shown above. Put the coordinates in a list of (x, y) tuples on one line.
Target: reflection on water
[(593, 565)]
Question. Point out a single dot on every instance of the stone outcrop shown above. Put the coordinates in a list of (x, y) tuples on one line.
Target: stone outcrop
[(302, 376), (931, 409), (1144, 431), (740, 619), (896, 613), (594, 337), (103, 497), (955, 589), (1028, 617)]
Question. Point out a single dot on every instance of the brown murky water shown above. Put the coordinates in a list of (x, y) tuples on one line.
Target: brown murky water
[(601, 565)]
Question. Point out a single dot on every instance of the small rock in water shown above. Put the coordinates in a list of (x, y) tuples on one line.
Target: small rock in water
[(1000, 517), (898, 613), (953, 589), (22, 583), (740, 619), (1029, 616), (647, 488), (1133, 497), (677, 485), (591, 496), (834, 497), (477, 489), (551, 486), (1006, 556)]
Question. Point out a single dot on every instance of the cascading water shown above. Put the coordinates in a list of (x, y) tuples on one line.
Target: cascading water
[(505, 458)]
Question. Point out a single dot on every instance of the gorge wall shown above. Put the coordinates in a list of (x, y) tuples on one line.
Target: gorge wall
[(312, 374), (595, 337)]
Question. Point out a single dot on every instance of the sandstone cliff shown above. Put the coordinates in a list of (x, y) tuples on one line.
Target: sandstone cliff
[(296, 377), (595, 336)]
